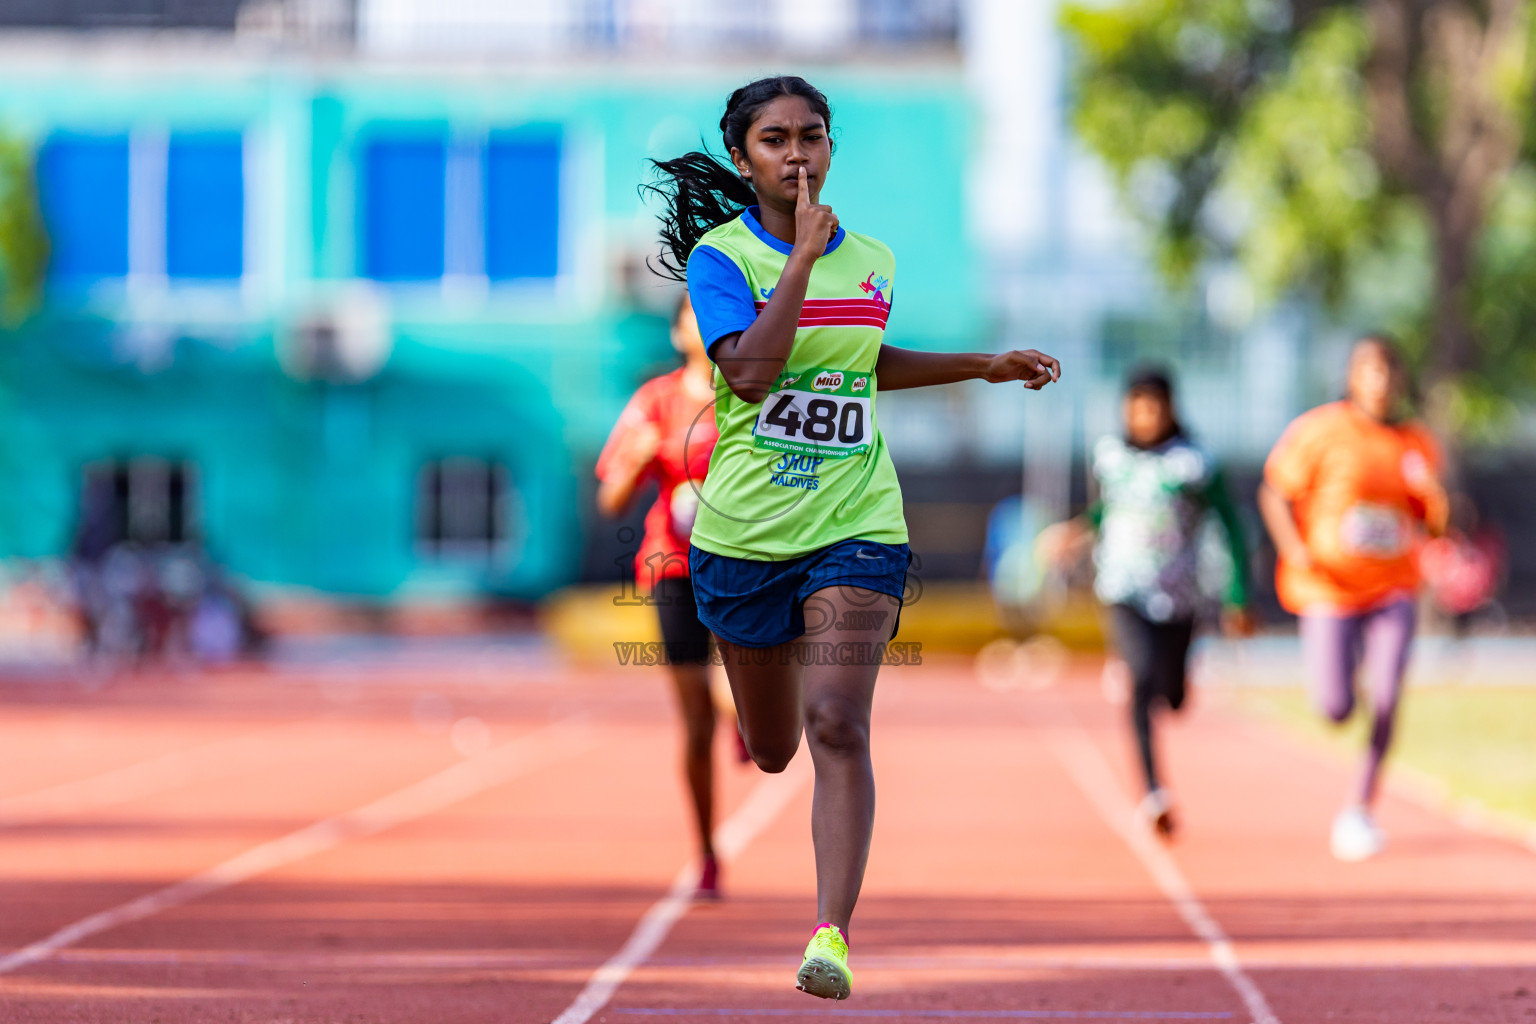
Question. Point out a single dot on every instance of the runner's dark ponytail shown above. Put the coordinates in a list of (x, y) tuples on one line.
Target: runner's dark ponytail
[(702, 193)]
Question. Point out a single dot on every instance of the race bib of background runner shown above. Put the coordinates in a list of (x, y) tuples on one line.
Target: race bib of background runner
[(684, 508), (1375, 531), (818, 412)]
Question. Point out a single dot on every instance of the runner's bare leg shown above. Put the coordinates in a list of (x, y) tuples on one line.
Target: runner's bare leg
[(780, 690), (846, 648), (691, 683), (765, 684)]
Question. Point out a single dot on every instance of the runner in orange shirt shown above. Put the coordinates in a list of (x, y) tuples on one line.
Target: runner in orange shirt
[(667, 433), (1349, 493)]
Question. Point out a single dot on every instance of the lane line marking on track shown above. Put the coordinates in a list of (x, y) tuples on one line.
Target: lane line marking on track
[(122, 784), (756, 813), (559, 739), (1409, 784), (674, 1011), (1092, 774)]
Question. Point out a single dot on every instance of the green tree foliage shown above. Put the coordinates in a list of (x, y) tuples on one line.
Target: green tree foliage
[(23, 241), (1377, 154)]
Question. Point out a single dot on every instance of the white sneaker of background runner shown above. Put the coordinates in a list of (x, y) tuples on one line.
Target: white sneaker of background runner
[(1155, 812), (1356, 836)]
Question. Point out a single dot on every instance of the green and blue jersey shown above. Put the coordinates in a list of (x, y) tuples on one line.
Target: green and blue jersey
[(806, 467)]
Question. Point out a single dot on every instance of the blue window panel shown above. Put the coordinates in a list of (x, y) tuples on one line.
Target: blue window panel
[(522, 205), (205, 206), (403, 218), (83, 191)]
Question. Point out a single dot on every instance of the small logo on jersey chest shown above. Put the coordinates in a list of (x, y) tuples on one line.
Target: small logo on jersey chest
[(874, 286)]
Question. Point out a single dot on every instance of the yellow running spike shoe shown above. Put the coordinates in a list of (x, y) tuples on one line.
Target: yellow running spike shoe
[(825, 970)]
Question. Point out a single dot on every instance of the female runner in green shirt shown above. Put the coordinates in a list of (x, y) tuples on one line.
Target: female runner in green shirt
[(799, 551)]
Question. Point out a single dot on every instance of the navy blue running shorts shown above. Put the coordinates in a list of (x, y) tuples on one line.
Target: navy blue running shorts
[(755, 603)]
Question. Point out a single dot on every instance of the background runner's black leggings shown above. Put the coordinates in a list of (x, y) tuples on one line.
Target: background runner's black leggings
[(1156, 653)]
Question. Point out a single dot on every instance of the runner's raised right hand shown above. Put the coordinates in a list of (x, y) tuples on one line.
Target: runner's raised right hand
[(815, 224)]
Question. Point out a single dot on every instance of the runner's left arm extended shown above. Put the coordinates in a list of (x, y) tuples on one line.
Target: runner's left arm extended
[(900, 368)]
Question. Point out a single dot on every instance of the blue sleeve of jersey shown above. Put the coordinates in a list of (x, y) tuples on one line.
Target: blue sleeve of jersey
[(722, 299)]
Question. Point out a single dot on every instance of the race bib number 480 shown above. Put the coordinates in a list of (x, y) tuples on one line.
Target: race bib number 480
[(818, 412)]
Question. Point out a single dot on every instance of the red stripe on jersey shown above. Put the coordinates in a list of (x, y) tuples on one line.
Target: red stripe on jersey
[(841, 313), (842, 321)]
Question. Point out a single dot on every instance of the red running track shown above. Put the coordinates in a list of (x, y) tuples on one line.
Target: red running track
[(289, 848)]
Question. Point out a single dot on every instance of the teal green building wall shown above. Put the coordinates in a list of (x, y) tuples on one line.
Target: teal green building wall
[(311, 485)]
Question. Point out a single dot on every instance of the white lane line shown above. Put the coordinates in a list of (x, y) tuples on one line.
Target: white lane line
[(532, 750), (756, 813), (1411, 785), (1472, 815), (1087, 767), (124, 784)]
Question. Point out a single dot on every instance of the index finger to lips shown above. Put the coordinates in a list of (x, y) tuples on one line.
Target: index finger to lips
[(804, 198)]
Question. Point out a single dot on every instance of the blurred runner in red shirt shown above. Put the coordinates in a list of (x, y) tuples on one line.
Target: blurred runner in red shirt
[(667, 434)]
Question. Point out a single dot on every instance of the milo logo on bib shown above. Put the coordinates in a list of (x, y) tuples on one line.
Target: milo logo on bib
[(821, 411)]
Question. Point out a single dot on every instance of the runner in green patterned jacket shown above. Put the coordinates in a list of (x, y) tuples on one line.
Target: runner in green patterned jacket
[(1157, 490)]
